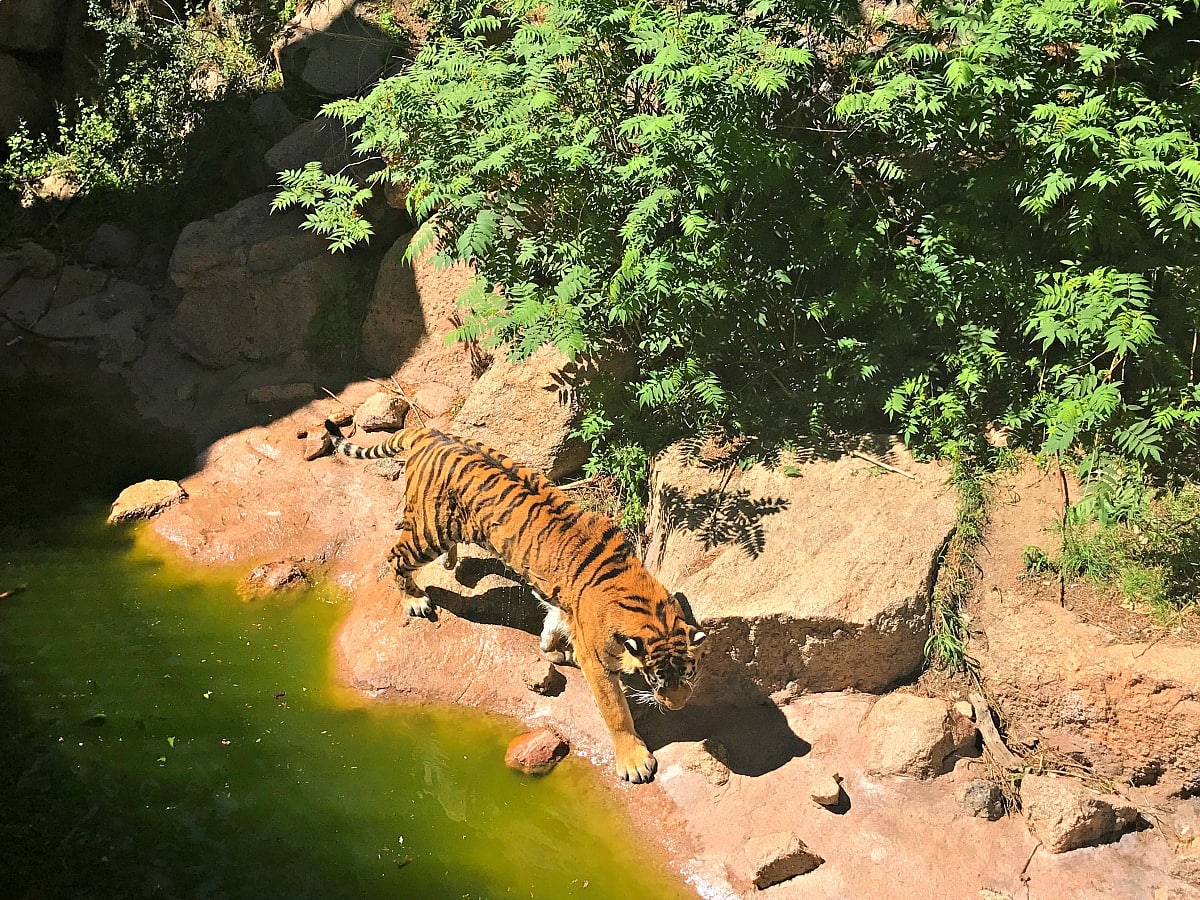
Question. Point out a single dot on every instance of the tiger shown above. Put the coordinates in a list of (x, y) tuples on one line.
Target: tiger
[(611, 614)]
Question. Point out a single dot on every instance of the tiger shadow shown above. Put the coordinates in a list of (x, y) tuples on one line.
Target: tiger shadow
[(754, 739), (510, 603), (754, 734)]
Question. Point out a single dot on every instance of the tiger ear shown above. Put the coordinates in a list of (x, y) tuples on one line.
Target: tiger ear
[(697, 636), (634, 646)]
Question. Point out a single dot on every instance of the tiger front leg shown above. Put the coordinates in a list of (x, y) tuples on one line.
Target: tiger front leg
[(408, 555), (634, 760), (555, 641)]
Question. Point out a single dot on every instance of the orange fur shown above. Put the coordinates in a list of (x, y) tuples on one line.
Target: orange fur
[(616, 616)]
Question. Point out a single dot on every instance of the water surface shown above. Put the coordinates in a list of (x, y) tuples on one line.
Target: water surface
[(163, 738)]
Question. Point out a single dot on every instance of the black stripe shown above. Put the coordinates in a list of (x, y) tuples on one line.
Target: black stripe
[(634, 609), (596, 552)]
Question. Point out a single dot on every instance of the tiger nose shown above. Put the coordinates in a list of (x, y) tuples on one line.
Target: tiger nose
[(673, 697)]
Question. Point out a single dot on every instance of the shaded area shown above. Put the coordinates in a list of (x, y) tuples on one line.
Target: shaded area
[(757, 737)]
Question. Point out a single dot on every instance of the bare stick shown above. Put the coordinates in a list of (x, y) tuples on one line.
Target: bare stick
[(4, 595), (878, 462), (991, 737), (570, 485)]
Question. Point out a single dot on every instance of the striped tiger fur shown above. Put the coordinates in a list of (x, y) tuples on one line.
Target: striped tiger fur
[(613, 615)]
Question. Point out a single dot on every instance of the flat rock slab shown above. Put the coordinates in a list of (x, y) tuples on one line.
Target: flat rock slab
[(778, 857), (814, 582)]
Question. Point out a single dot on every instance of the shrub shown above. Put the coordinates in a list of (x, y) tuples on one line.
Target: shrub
[(783, 220)]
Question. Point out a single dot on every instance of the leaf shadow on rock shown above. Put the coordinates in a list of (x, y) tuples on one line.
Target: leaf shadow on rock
[(719, 517)]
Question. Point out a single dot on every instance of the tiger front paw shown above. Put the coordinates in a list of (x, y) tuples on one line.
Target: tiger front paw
[(422, 608), (636, 764)]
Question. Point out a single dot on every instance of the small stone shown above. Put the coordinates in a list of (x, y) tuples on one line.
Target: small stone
[(391, 469), (908, 735), (383, 411), (777, 857), (826, 790), (964, 709), (1064, 814), (296, 392), (982, 799), (270, 578), (962, 730), (536, 752), (710, 759), (316, 444), (145, 500), (542, 677)]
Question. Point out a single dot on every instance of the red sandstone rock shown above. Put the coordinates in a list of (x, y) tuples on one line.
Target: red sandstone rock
[(908, 735), (536, 752), (145, 500), (1066, 815), (777, 857)]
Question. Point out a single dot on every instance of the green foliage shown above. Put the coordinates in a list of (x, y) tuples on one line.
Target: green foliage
[(946, 646), (334, 200), (990, 219), (1152, 555), (160, 73)]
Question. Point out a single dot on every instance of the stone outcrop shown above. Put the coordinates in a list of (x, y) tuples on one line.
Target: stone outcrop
[(908, 736), (1065, 815), (527, 410), (331, 48), (145, 500), (411, 308), (252, 283), (32, 25), (23, 95), (814, 582), (1072, 686)]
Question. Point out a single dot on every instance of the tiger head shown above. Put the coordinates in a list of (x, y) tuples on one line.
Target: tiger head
[(664, 648)]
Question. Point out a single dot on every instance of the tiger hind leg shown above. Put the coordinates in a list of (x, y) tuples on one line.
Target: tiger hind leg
[(408, 555), (556, 636)]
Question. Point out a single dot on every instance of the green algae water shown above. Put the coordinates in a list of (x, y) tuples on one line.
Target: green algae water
[(163, 738)]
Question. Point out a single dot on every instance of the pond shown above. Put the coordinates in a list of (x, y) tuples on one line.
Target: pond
[(163, 738)]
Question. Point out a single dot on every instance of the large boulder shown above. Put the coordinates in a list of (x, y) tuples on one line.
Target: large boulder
[(527, 410), (332, 48), (253, 282), (23, 95), (807, 577), (411, 312)]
